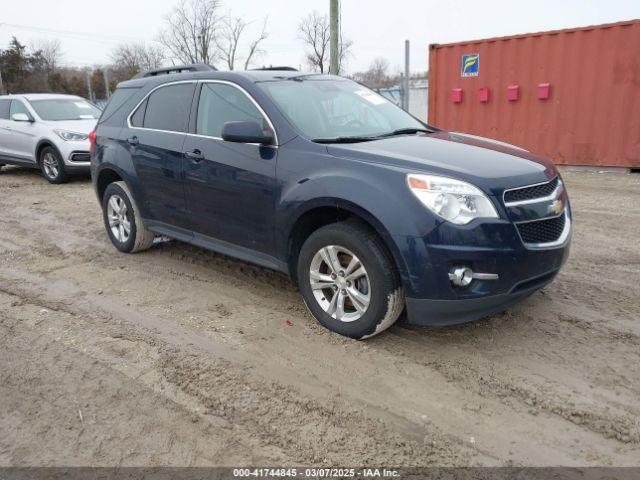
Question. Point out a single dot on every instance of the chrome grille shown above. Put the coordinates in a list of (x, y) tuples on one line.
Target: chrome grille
[(532, 192)]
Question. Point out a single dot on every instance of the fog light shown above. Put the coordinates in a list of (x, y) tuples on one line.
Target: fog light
[(463, 276)]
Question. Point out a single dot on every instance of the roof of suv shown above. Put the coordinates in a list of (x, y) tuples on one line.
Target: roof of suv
[(251, 75)]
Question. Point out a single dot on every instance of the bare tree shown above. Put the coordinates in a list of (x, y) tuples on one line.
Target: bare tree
[(230, 38), (313, 30), (254, 45), (191, 29), (377, 75), (50, 51), (377, 71), (136, 57)]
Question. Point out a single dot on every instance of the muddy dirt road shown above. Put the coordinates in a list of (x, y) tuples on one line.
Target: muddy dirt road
[(179, 356)]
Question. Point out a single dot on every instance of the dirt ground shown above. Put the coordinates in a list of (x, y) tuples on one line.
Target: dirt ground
[(179, 356)]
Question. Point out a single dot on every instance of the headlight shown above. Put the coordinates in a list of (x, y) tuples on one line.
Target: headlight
[(454, 200), (71, 136)]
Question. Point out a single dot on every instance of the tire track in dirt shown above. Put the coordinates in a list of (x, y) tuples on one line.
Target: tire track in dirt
[(309, 430), (519, 388)]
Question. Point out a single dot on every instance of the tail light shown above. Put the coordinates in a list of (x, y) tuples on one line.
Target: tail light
[(92, 141)]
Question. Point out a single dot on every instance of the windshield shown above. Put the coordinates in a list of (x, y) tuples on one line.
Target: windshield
[(65, 109), (329, 108)]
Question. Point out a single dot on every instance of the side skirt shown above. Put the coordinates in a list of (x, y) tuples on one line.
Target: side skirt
[(18, 161), (219, 246)]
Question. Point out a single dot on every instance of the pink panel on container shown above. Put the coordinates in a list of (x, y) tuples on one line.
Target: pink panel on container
[(543, 91)]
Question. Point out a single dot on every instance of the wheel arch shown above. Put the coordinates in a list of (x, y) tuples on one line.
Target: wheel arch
[(321, 212), (107, 174), (41, 145)]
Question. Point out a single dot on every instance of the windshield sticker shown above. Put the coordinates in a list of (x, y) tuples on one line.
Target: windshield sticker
[(82, 105), (86, 116), (371, 97)]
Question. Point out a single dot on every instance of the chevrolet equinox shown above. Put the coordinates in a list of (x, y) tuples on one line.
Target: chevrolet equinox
[(369, 210)]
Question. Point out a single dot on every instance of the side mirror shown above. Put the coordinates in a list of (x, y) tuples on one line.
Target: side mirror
[(246, 132), (21, 117)]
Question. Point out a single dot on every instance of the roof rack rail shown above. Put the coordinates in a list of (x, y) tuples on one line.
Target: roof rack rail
[(287, 69), (194, 67)]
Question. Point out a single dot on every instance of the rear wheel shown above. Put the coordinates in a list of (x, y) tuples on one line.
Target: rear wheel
[(122, 220), (52, 166), (349, 281)]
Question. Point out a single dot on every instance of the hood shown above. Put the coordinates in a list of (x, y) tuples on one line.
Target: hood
[(77, 126), (489, 164)]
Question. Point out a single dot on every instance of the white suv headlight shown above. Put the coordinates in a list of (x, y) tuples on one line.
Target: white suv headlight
[(71, 136), (454, 200)]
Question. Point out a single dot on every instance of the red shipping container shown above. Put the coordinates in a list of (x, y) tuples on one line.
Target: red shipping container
[(592, 117)]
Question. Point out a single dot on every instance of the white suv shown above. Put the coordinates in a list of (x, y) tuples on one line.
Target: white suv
[(46, 131)]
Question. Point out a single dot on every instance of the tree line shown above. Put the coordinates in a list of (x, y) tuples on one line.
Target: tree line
[(194, 31)]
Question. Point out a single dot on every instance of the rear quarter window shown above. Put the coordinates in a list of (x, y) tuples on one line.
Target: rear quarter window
[(117, 100), (137, 119), (5, 105)]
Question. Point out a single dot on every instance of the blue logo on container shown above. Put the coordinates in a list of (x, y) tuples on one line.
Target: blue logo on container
[(470, 65)]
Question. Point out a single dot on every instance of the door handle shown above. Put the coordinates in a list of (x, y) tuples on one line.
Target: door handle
[(133, 141), (195, 156)]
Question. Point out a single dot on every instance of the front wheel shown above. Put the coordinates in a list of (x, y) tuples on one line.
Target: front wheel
[(348, 280), (52, 166)]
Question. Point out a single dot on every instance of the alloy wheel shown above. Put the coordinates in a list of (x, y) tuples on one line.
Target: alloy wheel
[(50, 164), (340, 283), (119, 220)]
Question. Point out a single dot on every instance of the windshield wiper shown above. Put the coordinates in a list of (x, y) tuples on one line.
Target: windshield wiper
[(402, 131), (355, 139), (344, 139)]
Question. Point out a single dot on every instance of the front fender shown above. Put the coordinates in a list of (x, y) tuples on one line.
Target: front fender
[(383, 201)]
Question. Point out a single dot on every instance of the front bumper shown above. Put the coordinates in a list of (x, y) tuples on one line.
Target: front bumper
[(75, 155), (489, 247), (423, 311)]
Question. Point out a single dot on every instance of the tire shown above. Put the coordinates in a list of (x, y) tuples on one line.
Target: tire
[(52, 166), (116, 198), (371, 302)]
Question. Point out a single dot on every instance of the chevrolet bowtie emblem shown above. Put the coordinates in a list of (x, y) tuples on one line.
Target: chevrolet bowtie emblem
[(556, 207)]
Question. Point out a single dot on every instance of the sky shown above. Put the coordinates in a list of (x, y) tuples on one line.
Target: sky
[(89, 31)]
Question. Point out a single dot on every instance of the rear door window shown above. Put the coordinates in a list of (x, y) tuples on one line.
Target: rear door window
[(168, 108)]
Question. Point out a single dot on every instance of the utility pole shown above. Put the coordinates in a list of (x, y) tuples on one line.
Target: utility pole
[(89, 91), (334, 34), (407, 74), (105, 73)]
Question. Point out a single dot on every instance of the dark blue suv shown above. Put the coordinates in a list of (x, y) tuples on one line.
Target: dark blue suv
[(369, 210)]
